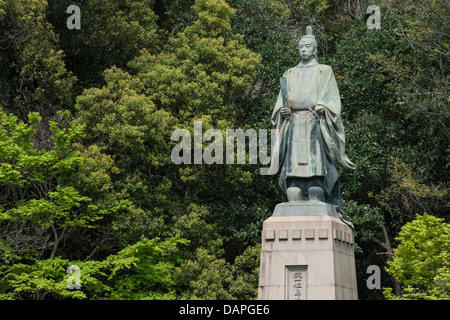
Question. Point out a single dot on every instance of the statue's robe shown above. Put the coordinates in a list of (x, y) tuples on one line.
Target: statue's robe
[(310, 144)]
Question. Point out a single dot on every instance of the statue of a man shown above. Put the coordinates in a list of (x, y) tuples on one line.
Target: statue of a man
[(311, 134)]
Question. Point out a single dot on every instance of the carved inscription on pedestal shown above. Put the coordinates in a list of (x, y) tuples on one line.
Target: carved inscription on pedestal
[(296, 282)]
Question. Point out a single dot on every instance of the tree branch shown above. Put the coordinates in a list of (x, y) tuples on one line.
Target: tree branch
[(57, 240)]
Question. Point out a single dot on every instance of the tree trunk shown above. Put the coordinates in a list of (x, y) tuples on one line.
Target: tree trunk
[(390, 252), (57, 240)]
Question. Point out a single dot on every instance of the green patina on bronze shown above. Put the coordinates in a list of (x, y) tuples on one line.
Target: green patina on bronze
[(312, 140)]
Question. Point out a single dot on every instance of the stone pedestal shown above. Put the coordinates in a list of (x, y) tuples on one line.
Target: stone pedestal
[(306, 254)]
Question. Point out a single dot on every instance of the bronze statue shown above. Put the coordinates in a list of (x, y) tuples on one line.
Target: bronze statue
[(311, 139)]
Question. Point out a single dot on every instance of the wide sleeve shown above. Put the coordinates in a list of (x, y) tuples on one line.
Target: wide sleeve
[(331, 124), (329, 96), (276, 118)]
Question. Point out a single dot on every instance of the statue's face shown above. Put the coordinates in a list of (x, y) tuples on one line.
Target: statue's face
[(307, 49)]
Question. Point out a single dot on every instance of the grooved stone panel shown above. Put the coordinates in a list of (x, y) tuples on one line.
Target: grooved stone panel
[(309, 234), (323, 233), (296, 234), (283, 235), (270, 235)]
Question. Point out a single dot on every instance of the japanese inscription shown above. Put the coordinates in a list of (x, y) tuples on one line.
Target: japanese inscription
[(296, 282)]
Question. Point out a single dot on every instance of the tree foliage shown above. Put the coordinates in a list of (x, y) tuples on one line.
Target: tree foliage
[(421, 262), (34, 75), (86, 122)]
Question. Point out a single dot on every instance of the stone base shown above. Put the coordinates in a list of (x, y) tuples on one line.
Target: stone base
[(307, 257), (304, 208)]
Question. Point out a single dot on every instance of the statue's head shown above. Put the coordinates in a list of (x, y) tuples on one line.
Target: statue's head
[(308, 46)]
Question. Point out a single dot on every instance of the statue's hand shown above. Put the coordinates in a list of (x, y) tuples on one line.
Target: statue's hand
[(285, 111), (319, 109)]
